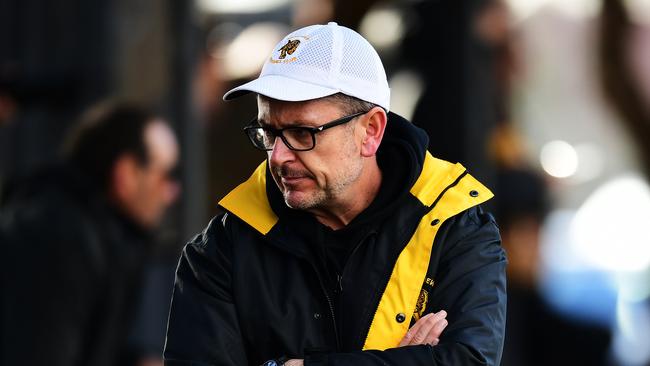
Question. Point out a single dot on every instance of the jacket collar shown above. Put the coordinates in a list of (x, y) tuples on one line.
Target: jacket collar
[(250, 203)]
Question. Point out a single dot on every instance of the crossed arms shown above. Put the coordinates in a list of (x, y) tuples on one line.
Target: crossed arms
[(470, 289)]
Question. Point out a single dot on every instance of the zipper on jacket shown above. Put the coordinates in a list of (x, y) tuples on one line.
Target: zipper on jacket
[(339, 278), (327, 297), (331, 306)]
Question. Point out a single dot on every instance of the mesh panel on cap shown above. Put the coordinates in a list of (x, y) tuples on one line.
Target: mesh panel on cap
[(357, 61), (316, 51)]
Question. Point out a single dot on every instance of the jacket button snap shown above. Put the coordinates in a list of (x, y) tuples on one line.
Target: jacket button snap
[(435, 222), (316, 316), (473, 193), (400, 318)]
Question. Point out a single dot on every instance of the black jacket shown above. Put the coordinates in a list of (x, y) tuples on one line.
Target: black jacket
[(70, 273), (254, 285)]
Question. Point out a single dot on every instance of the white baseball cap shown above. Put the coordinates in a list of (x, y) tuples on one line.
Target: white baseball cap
[(317, 61)]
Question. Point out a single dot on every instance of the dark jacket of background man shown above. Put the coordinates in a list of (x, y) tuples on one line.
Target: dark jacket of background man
[(76, 238)]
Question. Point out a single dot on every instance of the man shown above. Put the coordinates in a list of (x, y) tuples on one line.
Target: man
[(350, 244), (76, 240)]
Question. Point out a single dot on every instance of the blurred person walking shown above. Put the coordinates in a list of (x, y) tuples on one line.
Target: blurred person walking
[(76, 237), (537, 333), (351, 244)]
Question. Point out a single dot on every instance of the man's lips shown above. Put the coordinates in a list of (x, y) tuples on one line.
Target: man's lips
[(293, 179)]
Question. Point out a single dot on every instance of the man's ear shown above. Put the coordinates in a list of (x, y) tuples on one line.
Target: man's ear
[(374, 126), (124, 177)]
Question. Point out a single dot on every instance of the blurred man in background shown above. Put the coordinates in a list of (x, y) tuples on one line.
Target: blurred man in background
[(76, 236)]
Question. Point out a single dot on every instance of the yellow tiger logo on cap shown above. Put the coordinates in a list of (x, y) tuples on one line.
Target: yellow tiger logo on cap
[(289, 48)]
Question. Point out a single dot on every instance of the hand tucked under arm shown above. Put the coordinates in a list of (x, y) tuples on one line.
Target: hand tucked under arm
[(426, 330)]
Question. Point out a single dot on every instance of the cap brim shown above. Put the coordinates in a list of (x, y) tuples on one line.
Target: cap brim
[(281, 88)]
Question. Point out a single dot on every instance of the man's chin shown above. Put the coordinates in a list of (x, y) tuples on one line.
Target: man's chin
[(299, 200)]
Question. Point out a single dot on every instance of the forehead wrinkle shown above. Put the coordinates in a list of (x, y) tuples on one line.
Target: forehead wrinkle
[(278, 121), (282, 114)]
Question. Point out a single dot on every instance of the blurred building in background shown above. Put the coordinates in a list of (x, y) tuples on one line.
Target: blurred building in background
[(556, 89), (579, 99)]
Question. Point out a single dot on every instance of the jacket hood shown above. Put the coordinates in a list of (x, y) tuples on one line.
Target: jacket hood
[(410, 140)]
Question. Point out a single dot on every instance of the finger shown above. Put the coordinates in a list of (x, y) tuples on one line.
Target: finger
[(414, 329), (421, 336), (433, 333), (417, 334), (436, 331), (439, 327), (441, 315), (434, 317)]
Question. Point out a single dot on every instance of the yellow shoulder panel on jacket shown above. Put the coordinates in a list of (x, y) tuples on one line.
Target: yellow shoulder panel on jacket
[(436, 175), (249, 202), (399, 299)]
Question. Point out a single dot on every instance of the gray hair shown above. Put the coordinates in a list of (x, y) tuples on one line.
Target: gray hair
[(350, 105)]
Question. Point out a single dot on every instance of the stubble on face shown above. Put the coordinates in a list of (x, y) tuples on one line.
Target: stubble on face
[(345, 168), (322, 176)]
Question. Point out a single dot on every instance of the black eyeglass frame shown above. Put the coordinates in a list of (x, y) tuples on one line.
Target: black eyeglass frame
[(278, 132)]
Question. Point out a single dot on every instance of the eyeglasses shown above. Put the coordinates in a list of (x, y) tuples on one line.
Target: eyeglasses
[(298, 138)]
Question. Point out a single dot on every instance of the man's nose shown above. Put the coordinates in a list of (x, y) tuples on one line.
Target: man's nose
[(280, 153)]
